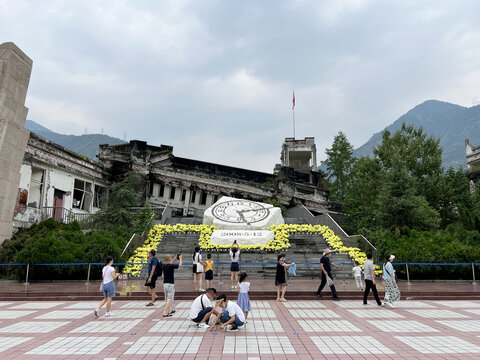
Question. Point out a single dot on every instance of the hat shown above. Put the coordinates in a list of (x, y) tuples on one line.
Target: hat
[(327, 251), (391, 257)]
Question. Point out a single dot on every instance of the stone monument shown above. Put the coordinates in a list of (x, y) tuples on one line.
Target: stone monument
[(246, 221), (15, 70)]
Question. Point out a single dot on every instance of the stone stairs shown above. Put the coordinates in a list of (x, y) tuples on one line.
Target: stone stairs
[(305, 248)]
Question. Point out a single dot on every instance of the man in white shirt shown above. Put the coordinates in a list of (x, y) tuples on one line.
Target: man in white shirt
[(201, 309), (231, 314)]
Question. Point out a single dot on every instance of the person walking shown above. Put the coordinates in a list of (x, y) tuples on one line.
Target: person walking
[(107, 286), (154, 269), (169, 281), (243, 300), (281, 277), (357, 274), (369, 274), (327, 277), (234, 267), (392, 292), (198, 265), (209, 266)]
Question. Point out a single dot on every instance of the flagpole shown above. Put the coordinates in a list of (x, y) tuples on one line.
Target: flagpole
[(293, 111)]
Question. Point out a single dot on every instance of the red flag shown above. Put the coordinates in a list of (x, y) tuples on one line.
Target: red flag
[(293, 100)]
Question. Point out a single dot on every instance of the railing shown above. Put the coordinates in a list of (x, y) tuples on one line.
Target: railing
[(135, 241), (59, 213), (219, 264)]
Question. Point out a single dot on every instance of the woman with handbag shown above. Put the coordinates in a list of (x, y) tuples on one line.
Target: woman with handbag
[(107, 286), (392, 292), (198, 265)]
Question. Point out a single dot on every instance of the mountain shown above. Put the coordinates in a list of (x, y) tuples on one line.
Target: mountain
[(81, 144), (449, 122)]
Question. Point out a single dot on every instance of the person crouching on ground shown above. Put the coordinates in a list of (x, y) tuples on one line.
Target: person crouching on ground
[(153, 271), (201, 309), (169, 281), (231, 314), (108, 287)]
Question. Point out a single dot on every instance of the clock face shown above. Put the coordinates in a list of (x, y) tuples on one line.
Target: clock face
[(240, 211)]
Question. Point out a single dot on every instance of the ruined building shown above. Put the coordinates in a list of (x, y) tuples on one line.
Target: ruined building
[(473, 162)]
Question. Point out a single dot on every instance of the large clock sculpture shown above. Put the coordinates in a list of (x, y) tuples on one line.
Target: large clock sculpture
[(242, 220)]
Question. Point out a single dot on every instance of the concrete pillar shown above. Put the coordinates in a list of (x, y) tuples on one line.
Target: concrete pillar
[(186, 203), (314, 158), (15, 70)]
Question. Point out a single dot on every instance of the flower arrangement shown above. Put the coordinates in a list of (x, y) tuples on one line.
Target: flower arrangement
[(279, 242)]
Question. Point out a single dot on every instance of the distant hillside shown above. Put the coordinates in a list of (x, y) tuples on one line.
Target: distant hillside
[(81, 144), (449, 122)]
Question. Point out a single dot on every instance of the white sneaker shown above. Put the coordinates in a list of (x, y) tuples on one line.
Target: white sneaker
[(96, 311), (203, 326), (389, 305), (108, 314)]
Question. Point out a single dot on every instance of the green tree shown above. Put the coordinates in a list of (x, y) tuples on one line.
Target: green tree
[(398, 203), (339, 163)]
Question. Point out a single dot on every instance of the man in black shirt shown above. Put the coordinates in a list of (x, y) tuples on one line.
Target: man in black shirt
[(169, 281), (326, 265), (153, 270)]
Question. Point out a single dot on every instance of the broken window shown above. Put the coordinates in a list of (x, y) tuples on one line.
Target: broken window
[(161, 191), (82, 195), (194, 194), (184, 194), (203, 198), (215, 199), (172, 193), (99, 196), (36, 188)]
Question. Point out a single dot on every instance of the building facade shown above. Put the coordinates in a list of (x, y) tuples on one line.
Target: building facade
[(473, 162)]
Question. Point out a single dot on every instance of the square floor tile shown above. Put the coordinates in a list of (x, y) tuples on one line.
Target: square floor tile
[(131, 314), (86, 305), (74, 346), (413, 305), (357, 304), (183, 305), (437, 314), (439, 344), (141, 305), (260, 304), (262, 314), (312, 314), (166, 345), (37, 305), (295, 304), (258, 345), (33, 327), (176, 326), (376, 314), (460, 304), (115, 326), (65, 314), (349, 345), (14, 314), (9, 342), (407, 326), (462, 325), (327, 326)]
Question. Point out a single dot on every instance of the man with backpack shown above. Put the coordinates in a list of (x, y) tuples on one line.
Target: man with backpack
[(154, 271)]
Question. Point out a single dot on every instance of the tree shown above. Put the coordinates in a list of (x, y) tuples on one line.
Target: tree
[(398, 203), (117, 213), (339, 163), (421, 154)]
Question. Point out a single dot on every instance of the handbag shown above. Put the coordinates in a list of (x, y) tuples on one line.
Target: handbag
[(329, 281), (103, 278), (388, 272)]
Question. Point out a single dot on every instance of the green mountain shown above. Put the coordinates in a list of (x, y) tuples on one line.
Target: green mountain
[(449, 122), (81, 144)]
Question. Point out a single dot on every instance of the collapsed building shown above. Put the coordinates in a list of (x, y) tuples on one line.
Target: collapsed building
[(473, 162), (56, 182)]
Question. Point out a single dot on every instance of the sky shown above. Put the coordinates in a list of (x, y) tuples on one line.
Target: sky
[(214, 79)]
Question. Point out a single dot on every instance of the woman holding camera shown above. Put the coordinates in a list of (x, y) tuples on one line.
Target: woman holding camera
[(234, 267)]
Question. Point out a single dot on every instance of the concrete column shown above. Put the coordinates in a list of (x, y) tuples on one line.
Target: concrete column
[(15, 70), (314, 158), (186, 203)]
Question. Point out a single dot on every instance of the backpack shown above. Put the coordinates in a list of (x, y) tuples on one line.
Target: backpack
[(159, 268)]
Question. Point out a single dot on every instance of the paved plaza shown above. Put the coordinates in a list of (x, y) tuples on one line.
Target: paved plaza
[(303, 329)]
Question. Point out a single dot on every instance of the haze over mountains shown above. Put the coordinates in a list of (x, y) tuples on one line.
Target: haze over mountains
[(451, 123), (81, 144)]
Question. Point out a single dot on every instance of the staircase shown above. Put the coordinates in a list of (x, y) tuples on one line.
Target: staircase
[(305, 248)]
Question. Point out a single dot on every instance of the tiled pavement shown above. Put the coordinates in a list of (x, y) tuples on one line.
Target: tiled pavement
[(295, 330)]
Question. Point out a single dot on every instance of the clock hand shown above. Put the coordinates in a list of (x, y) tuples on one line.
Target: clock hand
[(242, 217)]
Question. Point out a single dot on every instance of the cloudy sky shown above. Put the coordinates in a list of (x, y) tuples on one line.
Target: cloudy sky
[(215, 78)]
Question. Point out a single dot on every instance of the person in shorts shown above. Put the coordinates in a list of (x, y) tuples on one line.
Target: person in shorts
[(108, 287), (209, 266), (169, 282), (231, 314), (234, 267), (153, 269)]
